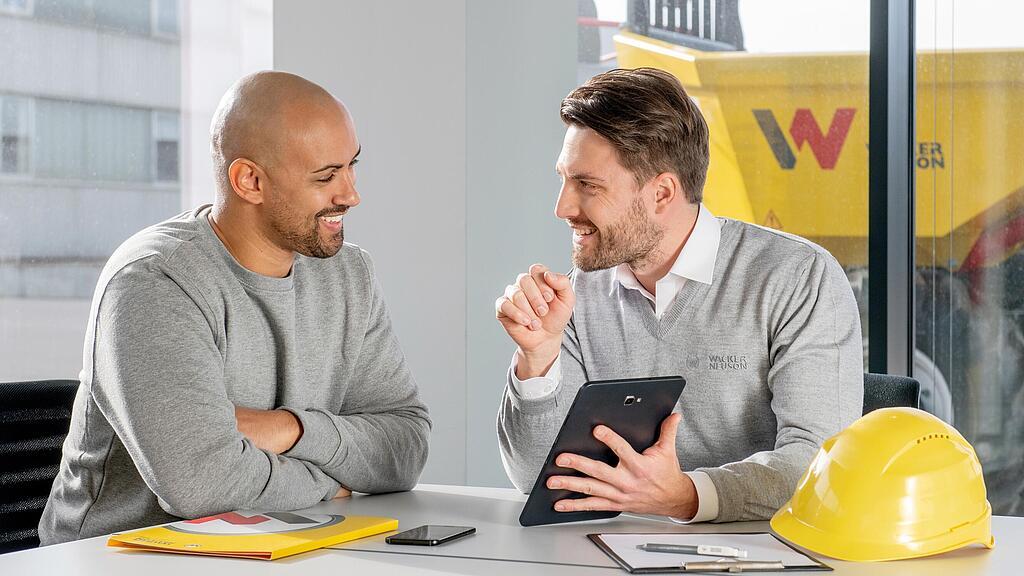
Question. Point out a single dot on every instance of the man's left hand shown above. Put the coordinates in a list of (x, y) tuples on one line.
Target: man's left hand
[(271, 430), (645, 483)]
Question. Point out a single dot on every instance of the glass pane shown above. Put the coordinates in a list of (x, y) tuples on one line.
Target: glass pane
[(94, 137), (167, 161), (123, 15), (14, 134), (166, 126), (167, 17), (166, 129), (784, 88), (970, 230), (14, 6), (91, 141), (77, 11)]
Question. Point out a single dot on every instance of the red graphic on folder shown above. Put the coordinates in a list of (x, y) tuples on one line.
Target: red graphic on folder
[(242, 522)]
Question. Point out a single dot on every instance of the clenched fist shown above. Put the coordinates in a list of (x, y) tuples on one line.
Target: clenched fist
[(534, 311)]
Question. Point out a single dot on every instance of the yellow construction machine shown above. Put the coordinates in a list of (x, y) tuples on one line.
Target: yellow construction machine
[(789, 150)]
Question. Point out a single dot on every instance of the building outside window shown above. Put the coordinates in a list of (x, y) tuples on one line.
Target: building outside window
[(92, 99)]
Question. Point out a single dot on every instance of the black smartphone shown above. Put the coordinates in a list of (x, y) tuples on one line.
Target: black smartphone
[(430, 535)]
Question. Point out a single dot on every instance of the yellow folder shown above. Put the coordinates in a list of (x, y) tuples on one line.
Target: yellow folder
[(258, 535)]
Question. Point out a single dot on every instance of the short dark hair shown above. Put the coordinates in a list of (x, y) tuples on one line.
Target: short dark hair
[(650, 120)]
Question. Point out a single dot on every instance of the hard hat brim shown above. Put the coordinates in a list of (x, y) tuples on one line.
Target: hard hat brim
[(856, 548)]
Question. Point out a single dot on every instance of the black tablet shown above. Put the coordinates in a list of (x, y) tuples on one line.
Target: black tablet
[(634, 408)]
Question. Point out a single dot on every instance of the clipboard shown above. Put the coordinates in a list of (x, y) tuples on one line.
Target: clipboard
[(762, 546)]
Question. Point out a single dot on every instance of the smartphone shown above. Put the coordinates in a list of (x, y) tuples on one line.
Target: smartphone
[(430, 535)]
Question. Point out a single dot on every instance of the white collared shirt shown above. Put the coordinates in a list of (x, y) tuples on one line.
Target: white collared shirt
[(696, 262)]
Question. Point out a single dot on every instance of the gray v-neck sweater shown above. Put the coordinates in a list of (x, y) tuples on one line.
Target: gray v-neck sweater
[(771, 351), (179, 334)]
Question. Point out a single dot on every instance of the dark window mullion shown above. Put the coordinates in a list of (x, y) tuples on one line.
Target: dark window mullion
[(891, 188)]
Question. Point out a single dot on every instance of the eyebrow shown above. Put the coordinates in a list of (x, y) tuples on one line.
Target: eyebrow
[(584, 176), (337, 166)]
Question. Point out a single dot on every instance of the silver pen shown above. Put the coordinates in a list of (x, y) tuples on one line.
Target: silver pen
[(700, 549), (734, 566)]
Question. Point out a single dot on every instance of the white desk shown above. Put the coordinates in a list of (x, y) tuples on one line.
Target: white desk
[(500, 547)]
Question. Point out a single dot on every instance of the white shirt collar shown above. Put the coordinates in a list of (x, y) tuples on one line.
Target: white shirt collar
[(696, 261)]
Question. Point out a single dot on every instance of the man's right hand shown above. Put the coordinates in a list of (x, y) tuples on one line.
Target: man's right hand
[(535, 311)]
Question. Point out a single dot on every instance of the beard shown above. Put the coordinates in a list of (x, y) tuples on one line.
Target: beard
[(303, 236), (632, 240)]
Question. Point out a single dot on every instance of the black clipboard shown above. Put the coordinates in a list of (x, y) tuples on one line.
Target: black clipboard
[(814, 565)]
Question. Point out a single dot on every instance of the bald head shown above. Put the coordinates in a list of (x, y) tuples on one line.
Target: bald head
[(263, 116)]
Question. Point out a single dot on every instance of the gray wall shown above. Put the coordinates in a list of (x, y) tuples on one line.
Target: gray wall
[(456, 106), (521, 63)]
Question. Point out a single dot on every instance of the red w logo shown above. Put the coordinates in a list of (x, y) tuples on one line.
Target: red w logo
[(805, 130), (239, 520)]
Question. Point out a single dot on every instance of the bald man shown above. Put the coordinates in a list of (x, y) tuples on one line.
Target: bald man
[(240, 356)]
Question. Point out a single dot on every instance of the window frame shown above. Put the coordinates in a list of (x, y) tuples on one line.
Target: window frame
[(891, 179)]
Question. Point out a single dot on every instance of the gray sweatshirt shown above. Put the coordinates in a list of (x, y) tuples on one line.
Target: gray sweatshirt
[(771, 352), (179, 334)]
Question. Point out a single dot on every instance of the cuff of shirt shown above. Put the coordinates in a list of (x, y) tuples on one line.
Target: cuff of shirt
[(707, 499), (320, 440), (540, 386)]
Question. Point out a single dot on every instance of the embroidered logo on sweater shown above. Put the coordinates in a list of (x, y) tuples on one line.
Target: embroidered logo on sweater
[(720, 362)]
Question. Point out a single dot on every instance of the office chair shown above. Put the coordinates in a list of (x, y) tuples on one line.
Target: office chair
[(34, 420), (886, 391)]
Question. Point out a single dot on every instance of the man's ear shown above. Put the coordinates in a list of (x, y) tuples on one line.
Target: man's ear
[(247, 180), (667, 189)]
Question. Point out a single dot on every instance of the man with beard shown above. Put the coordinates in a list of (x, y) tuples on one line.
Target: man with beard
[(241, 356), (763, 325)]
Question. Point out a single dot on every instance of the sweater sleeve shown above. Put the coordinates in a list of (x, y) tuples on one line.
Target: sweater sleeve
[(378, 441), (527, 426), (816, 381), (157, 377)]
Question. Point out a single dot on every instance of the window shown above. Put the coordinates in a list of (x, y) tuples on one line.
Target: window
[(75, 12), (165, 18), (789, 151), (89, 141), (140, 17), (131, 17), (969, 276), (92, 149), (16, 6), (166, 139), (15, 134)]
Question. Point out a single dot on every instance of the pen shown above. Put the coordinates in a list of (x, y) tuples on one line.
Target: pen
[(701, 550), (733, 566)]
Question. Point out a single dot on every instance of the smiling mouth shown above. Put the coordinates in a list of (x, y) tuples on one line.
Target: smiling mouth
[(581, 232)]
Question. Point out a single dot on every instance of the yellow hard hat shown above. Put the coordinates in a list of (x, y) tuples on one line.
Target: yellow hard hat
[(897, 483)]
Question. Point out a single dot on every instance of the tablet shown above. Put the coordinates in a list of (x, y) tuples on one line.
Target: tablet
[(634, 408)]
